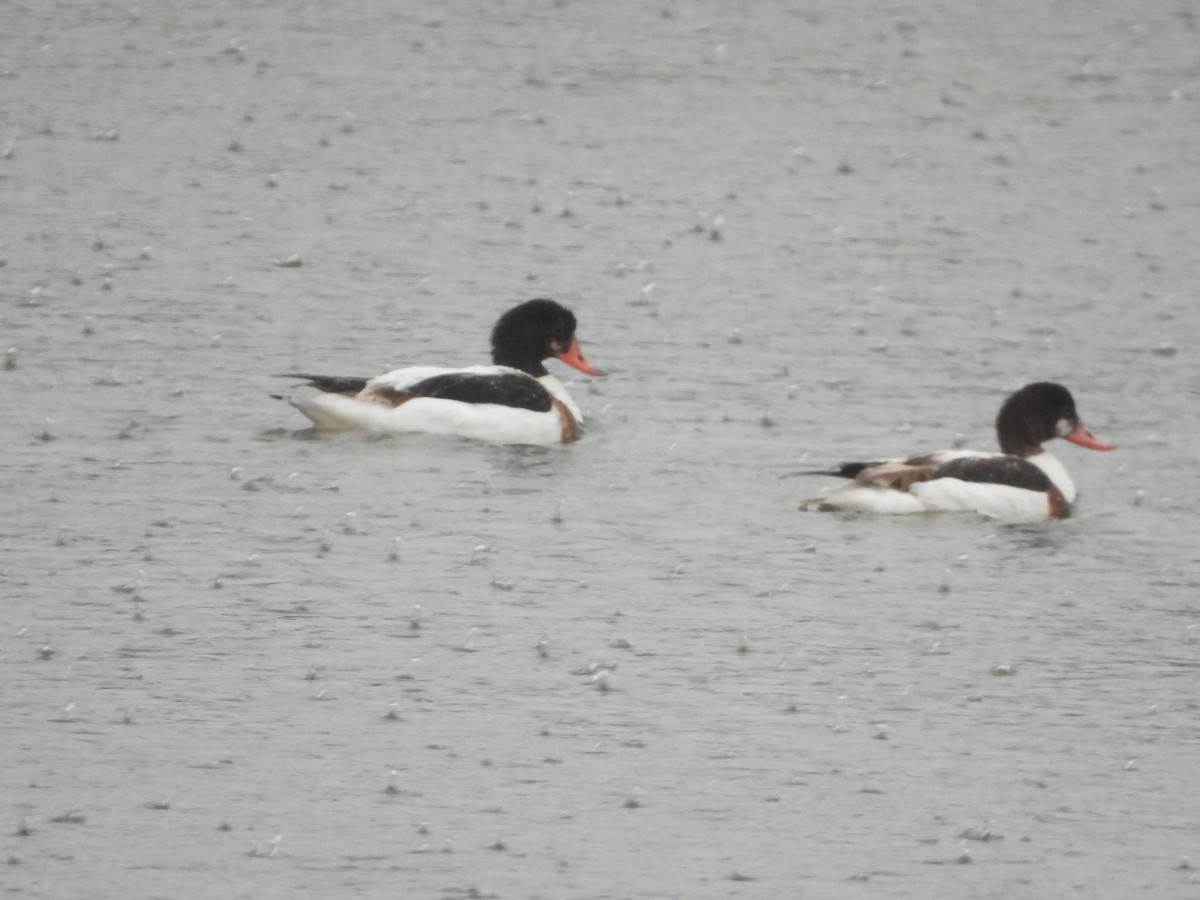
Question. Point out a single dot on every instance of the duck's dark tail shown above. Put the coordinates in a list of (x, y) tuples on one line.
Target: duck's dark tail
[(845, 470), (330, 384)]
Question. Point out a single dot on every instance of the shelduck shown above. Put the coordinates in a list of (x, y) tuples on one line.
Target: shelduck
[(513, 401), (1021, 483)]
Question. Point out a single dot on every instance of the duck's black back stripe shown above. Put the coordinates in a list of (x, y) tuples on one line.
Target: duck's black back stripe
[(1010, 470), (508, 389)]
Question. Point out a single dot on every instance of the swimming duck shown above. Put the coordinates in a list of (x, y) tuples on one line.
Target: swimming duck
[(1021, 483), (513, 401)]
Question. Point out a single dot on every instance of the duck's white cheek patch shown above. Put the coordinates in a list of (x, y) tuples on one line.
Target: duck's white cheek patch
[(1062, 427)]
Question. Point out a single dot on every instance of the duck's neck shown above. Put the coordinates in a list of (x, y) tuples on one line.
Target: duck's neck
[(519, 361), (1018, 428), (1019, 447)]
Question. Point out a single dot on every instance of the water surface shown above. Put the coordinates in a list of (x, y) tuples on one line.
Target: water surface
[(245, 660)]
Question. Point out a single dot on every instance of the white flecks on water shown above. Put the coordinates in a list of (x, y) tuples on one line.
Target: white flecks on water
[(267, 850)]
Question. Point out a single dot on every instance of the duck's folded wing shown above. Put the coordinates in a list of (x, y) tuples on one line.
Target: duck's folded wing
[(496, 385), (898, 475), (901, 473)]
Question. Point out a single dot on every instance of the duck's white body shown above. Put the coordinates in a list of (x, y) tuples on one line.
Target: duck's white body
[(435, 415), (1002, 502)]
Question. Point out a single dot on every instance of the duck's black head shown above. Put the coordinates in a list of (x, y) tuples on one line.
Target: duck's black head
[(534, 331), (1038, 412)]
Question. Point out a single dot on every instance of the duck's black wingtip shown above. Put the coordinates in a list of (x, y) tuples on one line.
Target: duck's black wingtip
[(845, 470), (330, 384)]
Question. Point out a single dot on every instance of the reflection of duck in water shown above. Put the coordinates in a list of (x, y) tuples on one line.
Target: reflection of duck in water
[(1021, 483), (514, 401)]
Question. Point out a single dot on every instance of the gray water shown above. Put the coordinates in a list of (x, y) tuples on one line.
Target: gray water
[(244, 660)]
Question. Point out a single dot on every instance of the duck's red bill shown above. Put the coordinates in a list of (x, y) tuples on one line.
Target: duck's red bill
[(1084, 438), (574, 358)]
